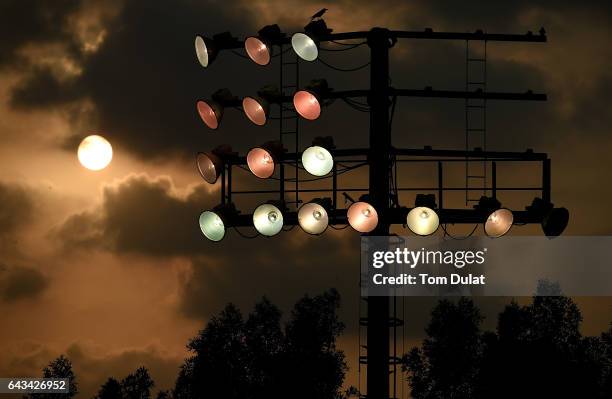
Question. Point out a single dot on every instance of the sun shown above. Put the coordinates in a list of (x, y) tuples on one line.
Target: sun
[(95, 152)]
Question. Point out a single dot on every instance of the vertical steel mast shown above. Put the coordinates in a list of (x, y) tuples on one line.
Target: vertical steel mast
[(379, 158)]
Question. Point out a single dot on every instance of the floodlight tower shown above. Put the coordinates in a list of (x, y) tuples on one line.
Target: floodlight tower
[(374, 215)]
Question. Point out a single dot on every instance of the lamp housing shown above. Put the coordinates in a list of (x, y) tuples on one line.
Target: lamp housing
[(497, 220), (262, 160), (268, 218), (211, 110), (259, 48), (313, 216), (306, 44), (554, 220), (423, 219), (257, 108), (317, 159), (309, 101), (362, 216), (211, 163), (207, 49), (214, 223)]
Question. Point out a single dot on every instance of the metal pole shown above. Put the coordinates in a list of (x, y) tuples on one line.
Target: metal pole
[(379, 41)]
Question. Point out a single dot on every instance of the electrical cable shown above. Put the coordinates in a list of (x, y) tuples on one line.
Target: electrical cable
[(343, 69), (339, 228), (347, 44), (446, 233), (354, 106)]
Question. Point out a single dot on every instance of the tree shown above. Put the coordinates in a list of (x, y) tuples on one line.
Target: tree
[(137, 385), (537, 350), (111, 389), (256, 358), (310, 359), (447, 364), (59, 368)]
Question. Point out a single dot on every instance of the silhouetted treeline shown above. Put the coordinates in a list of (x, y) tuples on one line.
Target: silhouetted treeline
[(256, 357), (537, 351), (248, 357)]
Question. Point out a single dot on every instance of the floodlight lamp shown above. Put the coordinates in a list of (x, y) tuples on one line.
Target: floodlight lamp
[(308, 102), (313, 216), (262, 160), (206, 49), (268, 219), (211, 110), (498, 220), (210, 164), (213, 223), (259, 48), (257, 108), (554, 220), (306, 45), (316, 159), (423, 219), (362, 217)]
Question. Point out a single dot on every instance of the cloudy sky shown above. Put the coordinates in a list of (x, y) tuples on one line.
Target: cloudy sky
[(110, 268)]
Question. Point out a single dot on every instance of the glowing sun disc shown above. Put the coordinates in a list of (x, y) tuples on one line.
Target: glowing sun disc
[(95, 152)]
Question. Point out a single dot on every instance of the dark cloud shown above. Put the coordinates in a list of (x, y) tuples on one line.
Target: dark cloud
[(36, 22), (17, 207), (141, 216), (20, 283), (144, 80)]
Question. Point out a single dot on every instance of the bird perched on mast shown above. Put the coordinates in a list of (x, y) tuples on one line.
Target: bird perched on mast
[(318, 14)]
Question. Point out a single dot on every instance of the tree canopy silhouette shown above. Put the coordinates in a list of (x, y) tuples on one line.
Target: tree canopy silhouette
[(59, 368), (136, 385), (258, 358), (536, 351)]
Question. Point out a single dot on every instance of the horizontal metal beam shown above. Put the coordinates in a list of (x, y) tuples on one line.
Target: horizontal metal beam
[(397, 216), (427, 92), (428, 33), (473, 155), (528, 37), (475, 94)]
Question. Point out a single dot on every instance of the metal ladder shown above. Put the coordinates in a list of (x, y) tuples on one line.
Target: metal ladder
[(289, 120), (475, 119)]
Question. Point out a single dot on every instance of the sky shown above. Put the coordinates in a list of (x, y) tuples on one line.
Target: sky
[(110, 268)]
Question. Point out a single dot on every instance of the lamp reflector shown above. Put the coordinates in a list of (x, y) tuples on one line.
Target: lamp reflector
[(209, 166), (313, 218), (304, 46), (256, 110), (555, 222), (257, 50), (317, 160), (210, 112), (307, 105), (260, 162), (268, 219), (212, 226), (362, 217), (203, 51), (499, 222), (422, 220)]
